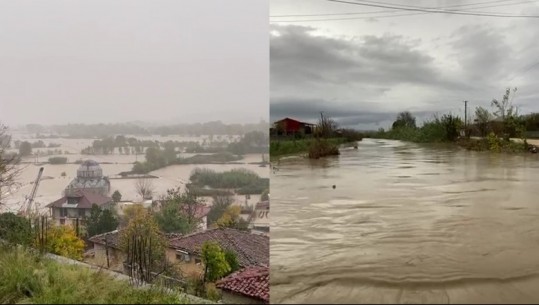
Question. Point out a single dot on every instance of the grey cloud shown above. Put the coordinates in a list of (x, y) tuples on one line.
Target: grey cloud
[(299, 57)]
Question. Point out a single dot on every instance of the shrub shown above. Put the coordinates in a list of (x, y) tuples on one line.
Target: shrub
[(322, 148), (15, 229)]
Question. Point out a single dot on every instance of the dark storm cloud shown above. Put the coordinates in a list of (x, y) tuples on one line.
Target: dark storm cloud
[(299, 57)]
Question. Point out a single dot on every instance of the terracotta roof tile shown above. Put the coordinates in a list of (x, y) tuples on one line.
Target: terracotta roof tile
[(250, 249), (251, 282), (87, 199)]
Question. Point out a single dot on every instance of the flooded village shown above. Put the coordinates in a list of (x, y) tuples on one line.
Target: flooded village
[(197, 199), (134, 153)]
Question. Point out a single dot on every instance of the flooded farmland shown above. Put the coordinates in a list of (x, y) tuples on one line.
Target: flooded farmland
[(53, 183), (405, 224)]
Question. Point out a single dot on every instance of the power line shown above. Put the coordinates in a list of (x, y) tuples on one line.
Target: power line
[(438, 11), (393, 11)]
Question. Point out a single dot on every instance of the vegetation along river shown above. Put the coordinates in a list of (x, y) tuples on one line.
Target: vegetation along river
[(405, 223)]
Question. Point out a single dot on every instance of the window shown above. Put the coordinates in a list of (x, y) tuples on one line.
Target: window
[(63, 212), (82, 212), (183, 256)]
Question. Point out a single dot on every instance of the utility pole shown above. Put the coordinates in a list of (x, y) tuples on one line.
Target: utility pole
[(465, 114)]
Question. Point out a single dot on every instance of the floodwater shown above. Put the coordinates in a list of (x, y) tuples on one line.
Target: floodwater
[(406, 224), (52, 183)]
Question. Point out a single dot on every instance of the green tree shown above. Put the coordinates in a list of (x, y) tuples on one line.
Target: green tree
[(483, 117), (232, 260), (178, 212), (231, 219), (506, 112), (116, 196), (404, 119), (144, 245), (15, 229), (25, 149), (101, 221), (215, 263), (220, 204)]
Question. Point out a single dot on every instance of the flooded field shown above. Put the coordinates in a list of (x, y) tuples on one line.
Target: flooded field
[(406, 224), (53, 183)]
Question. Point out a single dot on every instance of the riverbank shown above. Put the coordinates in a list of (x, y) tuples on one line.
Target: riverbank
[(283, 148)]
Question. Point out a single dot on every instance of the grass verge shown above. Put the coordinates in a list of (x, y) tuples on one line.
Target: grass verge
[(27, 278)]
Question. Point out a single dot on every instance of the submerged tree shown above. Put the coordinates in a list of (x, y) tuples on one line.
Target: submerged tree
[(116, 196), (144, 187)]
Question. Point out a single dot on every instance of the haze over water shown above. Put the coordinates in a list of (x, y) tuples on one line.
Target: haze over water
[(406, 223)]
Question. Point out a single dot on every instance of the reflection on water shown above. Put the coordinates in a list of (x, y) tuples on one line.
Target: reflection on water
[(406, 223)]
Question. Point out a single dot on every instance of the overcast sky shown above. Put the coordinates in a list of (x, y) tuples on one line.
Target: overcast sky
[(124, 60), (363, 71)]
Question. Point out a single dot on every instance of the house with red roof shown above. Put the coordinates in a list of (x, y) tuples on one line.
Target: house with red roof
[(288, 126), (250, 249), (76, 205), (246, 286)]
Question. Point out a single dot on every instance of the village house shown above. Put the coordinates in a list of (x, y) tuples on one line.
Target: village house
[(107, 251), (185, 251), (259, 222), (108, 244), (76, 205), (250, 249), (246, 286), (288, 126)]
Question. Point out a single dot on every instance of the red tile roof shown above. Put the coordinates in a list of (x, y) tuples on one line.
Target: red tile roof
[(85, 200), (250, 249), (252, 282)]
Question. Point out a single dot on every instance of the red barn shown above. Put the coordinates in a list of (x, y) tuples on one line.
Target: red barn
[(288, 126)]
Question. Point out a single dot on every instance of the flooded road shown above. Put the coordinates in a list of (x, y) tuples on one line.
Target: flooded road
[(406, 224)]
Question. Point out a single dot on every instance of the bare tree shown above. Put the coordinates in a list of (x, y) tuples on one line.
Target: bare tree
[(9, 169), (145, 188)]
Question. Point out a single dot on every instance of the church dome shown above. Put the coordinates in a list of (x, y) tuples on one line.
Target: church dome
[(89, 169)]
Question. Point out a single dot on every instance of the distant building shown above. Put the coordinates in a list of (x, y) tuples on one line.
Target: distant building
[(76, 204), (259, 222), (246, 286), (288, 126), (89, 178)]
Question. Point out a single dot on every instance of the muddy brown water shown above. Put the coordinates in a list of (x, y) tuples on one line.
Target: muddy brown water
[(53, 184), (405, 224)]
